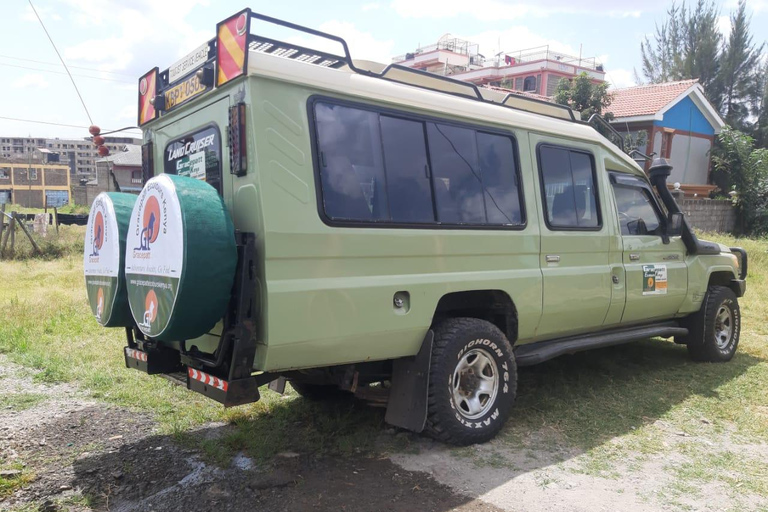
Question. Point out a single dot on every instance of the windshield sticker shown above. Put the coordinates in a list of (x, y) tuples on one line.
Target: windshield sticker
[(197, 155), (654, 279)]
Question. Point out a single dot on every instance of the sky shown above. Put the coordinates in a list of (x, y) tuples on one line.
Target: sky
[(108, 44)]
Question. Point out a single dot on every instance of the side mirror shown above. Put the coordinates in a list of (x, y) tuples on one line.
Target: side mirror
[(675, 224), (637, 227)]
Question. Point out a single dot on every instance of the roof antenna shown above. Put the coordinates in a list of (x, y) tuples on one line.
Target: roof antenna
[(62, 61)]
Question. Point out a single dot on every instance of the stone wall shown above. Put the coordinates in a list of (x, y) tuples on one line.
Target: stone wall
[(709, 214)]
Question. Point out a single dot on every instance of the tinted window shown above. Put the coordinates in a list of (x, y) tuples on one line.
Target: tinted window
[(351, 167), (197, 155), (458, 186), (405, 159), (637, 215), (569, 188), (379, 168), (499, 173)]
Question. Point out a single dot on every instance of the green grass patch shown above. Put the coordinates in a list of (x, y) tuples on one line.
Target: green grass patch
[(20, 401), (9, 484), (67, 243)]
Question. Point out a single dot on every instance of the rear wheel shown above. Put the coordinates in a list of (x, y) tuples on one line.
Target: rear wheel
[(714, 330), (472, 381)]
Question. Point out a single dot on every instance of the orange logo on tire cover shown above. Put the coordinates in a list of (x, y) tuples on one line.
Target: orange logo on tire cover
[(152, 217), (99, 302), (98, 234), (150, 307)]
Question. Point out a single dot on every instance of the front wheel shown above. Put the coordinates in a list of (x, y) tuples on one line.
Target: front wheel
[(472, 381), (715, 329)]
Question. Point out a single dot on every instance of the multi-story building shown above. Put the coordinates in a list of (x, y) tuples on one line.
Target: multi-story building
[(34, 185), (534, 70), (119, 172), (79, 155)]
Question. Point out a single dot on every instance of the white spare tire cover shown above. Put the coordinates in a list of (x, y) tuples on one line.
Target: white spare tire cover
[(103, 257), (180, 258)]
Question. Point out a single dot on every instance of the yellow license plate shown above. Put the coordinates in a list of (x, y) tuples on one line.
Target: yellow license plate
[(183, 92)]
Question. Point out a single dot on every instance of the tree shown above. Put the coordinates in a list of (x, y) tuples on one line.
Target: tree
[(739, 70), (760, 107), (685, 46), (581, 94), (744, 169)]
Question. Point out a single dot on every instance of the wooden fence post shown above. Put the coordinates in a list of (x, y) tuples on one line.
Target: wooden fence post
[(2, 220), (32, 240), (13, 232)]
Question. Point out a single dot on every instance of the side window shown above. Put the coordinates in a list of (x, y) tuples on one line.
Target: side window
[(568, 182), (637, 215), (458, 186), (405, 157), (376, 168), (351, 166)]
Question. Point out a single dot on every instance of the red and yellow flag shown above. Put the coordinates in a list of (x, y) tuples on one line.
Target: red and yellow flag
[(147, 91), (232, 47)]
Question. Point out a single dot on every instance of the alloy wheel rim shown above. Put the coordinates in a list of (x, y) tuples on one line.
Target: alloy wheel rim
[(723, 327), (475, 384)]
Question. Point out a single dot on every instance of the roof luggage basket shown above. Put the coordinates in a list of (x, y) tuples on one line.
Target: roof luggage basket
[(605, 129)]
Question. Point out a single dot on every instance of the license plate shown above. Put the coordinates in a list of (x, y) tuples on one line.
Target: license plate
[(183, 92)]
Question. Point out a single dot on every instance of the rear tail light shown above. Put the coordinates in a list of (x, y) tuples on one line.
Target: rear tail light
[(238, 144), (147, 162)]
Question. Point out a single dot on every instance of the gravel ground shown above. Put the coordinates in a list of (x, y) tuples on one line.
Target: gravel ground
[(83, 455)]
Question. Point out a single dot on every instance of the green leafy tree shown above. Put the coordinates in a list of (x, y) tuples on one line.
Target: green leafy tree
[(686, 45), (744, 169), (581, 94), (739, 71), (760, 107)]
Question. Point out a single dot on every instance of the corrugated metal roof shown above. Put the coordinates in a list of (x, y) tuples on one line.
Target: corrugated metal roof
[(131, 156)]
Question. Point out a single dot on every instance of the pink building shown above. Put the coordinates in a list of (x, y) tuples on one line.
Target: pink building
[(535, 70)]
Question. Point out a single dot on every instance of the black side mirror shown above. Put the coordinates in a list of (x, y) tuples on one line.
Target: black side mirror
[(675, 224), (637, 227)]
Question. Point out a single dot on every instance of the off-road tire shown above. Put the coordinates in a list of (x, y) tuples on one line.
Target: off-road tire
[(703, 327), (455, 338), (317, 392)]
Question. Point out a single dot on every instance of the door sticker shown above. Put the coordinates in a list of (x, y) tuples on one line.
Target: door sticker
[(654, 279)]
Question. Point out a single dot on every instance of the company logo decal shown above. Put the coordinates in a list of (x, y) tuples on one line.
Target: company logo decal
[(150, 309), (99, 303), (98, 234), (150, 224)]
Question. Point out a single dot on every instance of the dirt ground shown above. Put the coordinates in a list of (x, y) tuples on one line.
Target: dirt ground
[(84, 455)]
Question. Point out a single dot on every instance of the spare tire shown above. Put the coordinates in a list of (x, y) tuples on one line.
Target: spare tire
[(103, 258), (180, 258)]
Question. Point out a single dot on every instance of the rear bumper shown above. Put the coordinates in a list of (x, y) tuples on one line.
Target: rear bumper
[(739, 287)]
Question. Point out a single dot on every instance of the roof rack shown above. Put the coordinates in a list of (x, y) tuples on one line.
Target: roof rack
[(242, 36)]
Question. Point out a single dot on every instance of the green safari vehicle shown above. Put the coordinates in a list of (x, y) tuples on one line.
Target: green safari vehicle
[(406, 238)]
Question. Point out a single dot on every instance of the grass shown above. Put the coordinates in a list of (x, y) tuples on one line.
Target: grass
[(615, 407), (21, 401), (68, 242), (68, 209), (10, 484)]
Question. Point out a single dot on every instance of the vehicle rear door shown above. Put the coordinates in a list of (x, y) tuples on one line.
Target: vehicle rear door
[(575, 242), (656, 272)]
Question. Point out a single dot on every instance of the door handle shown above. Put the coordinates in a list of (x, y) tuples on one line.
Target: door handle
[(634, 257), (553, 258)]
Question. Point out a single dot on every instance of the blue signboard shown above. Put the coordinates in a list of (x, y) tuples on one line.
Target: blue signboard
[(56, 198)]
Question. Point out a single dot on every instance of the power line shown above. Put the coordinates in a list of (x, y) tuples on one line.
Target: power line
[(62, 60), (73, 67), (63, 73), (59, 124)]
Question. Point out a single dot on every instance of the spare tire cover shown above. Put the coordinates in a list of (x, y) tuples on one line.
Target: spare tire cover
[(103, 258), (180, 258)]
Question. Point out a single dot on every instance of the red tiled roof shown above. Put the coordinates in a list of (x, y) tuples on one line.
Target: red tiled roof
[(643, 100)]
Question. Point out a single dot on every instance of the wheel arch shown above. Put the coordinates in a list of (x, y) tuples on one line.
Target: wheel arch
[(493, 305), (724, 278)]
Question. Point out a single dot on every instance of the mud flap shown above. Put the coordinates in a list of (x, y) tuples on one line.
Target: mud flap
[(407, 406)]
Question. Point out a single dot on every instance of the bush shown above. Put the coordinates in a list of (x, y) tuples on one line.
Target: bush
[(737, 164), (67, 242)]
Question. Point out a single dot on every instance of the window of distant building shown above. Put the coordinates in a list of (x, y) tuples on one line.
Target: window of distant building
[(529, 84), (136, 177), (4, 174)]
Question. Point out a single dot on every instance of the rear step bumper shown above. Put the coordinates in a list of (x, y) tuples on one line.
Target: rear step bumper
[(535, 353), (229, 393)]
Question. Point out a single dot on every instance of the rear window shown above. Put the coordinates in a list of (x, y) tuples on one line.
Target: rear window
[(197, 155), (380, 168)]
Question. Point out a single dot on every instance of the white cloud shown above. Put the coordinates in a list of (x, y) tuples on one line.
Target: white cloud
[(139, 34), (724, 25), (362, 45), (46, 13), (619, 78), (496, 10), (31, 81), (371, 6)]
